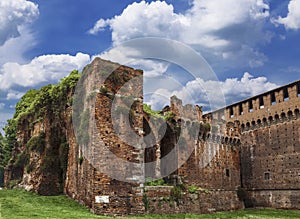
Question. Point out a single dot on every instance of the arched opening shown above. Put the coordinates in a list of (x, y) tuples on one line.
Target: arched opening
[(270, 119), (297, 113), (169, 156), (276, 118), (247, 126), (259, 122), (290, 114), (283, 116), (222, 140), (242, 127), (264, 121), (234, 141)]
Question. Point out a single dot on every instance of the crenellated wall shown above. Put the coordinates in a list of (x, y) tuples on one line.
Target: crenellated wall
[(269, 127), (205, 160), (248, 151)]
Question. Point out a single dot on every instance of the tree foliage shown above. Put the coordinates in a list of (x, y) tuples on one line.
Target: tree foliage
[(35, 104)]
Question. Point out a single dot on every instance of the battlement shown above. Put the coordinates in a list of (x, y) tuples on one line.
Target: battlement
[(283, 101)]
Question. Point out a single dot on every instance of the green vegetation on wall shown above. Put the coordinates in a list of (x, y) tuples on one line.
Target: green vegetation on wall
[(35, 106), (158, 114), (37, 143)]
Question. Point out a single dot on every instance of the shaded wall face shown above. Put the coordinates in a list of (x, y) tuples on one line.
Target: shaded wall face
[(270, 156), (213, 165), (213, 160), (271, 166)]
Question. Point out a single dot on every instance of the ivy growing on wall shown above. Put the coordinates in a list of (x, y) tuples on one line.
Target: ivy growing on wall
[(35, 106)]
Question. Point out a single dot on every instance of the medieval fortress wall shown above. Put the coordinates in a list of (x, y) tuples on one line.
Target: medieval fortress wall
[(244, 155), (103, 183), (251, 146), (269, 126)]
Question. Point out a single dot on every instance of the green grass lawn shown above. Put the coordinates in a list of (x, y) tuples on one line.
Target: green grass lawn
[(16, 204)]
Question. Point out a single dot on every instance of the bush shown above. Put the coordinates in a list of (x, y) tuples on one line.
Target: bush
[(50, 164), (159, 182), (63, 157), (205, 127), (193, 189), (37, 143), (22, 160), (169, 116), (146, 202), (176, 193)]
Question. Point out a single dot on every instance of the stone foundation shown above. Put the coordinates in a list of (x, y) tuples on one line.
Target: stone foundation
[(279, 199), (161, 201)]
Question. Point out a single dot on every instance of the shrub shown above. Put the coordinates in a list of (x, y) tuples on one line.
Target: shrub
[(193, 189), (22, 160), (50, 163), (159, 182), (176, 193), (146, 202), (169, 116), (63, 157), (37, 143), (205, 127)]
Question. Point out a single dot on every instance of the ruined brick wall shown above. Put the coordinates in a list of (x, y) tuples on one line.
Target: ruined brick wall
[(253, 144), (39, 157), (214, 162), (270, 139), (106, 170), (209, 162)]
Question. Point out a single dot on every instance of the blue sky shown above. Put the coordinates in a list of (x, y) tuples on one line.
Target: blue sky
[(251, 45)]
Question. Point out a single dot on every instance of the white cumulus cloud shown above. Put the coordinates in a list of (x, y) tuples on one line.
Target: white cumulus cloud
[(46, 68), (227, 30), (14, 48), (13, 15), (14, 95), (204, 93), (292, 20)]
